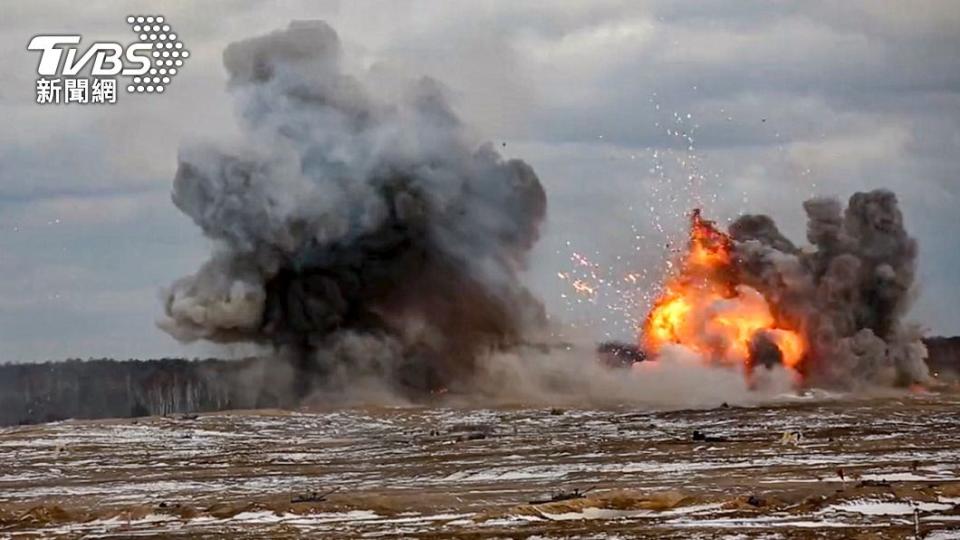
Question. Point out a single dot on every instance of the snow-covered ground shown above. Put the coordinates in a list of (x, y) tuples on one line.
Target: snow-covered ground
[(889, 464)]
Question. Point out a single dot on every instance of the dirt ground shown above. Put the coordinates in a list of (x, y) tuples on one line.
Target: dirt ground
[(861, 468)]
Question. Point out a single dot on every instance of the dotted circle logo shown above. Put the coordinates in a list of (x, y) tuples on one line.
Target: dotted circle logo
[(167, 55)]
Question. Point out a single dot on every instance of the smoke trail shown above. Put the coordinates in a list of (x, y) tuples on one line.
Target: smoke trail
[(353, 232), (847, 294)]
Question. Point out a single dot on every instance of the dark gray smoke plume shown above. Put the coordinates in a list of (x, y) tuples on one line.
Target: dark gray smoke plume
[(847, 294), (353, 231)]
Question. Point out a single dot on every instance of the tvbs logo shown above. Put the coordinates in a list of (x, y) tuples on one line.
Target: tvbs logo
[(148, 64)]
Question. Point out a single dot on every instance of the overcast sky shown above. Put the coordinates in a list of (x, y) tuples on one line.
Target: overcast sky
[(781, 101)]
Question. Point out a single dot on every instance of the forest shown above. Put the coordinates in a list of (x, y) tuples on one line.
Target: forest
[(106, 388)]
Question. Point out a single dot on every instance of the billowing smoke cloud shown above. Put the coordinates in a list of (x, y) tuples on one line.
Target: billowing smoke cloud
[(847, 294), (353, 231)]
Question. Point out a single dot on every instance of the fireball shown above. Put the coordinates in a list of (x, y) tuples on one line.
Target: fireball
[(704, 308)]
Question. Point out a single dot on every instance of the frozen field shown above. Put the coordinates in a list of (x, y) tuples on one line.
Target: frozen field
[(446, 473)]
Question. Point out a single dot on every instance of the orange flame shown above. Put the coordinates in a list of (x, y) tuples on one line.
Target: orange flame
[(703, 308)]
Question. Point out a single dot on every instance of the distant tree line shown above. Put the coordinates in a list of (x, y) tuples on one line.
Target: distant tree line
[(106, 388)]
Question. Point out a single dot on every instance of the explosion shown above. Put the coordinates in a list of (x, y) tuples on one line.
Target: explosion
[(704, 309), (357, 227), (831, 312)]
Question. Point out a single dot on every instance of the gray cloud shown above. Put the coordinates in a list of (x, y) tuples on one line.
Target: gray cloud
[(786, 101)]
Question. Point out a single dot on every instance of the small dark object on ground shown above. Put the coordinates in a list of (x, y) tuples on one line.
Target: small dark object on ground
[(189, 416), (483, 428), (462, 432), (313, 496), (620, 355), (701, 436), (873, 483), (563, 496), (724, 405), (472, 432), (753, 500), (556, 411)]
